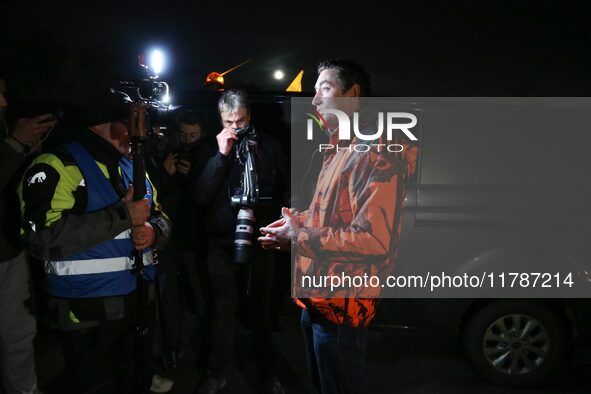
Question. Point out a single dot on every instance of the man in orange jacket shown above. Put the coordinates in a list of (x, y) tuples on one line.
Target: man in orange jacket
[(352, 226)]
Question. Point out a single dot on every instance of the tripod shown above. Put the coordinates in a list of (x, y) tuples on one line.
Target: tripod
[(138, 133)]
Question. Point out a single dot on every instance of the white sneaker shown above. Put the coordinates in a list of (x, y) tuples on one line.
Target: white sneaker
[(160, 384)]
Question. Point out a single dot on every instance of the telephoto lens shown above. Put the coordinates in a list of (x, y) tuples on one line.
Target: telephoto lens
[(243, 236)]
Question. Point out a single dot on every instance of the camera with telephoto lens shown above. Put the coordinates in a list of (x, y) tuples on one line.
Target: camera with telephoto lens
[(247, 197), (243, 236)]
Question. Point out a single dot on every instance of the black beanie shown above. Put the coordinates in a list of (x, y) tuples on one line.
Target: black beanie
[(103, 106)]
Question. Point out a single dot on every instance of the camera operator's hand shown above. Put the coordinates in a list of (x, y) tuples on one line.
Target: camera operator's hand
[(170, 163), (30, 131), (183, 166), (278, 234), (138, 210), (143, 236), (226, 139)]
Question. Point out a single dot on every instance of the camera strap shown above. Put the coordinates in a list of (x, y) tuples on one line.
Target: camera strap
[(248, 143)]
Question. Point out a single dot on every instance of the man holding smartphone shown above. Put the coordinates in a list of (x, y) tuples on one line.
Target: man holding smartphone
[(191, 132), (178, 272)]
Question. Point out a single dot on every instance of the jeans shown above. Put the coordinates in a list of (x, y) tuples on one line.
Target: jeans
[(335, 354)]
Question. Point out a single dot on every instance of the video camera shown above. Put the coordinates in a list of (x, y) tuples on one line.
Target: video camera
[(153, 94)]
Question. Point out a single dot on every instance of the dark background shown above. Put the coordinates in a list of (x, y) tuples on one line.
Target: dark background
[(52, 50)]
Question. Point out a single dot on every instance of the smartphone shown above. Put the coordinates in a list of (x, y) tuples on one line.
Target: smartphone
[(183, 155), (57, 115)]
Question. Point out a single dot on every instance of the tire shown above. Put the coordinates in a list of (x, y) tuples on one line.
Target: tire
[(517, 343)]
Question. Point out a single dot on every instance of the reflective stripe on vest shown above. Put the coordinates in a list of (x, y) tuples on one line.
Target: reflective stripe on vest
[(94, 266), (105, 269)]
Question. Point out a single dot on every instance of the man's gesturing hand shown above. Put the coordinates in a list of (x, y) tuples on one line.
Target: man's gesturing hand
[(139, 211), (226, 139), (278, 234)]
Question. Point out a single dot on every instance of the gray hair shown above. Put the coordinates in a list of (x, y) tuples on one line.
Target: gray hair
[(232, 100)]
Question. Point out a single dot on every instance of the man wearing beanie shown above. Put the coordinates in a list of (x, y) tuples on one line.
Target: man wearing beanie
[(79, 218)]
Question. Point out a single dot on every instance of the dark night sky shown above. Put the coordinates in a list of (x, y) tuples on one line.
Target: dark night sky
[(410, 48)]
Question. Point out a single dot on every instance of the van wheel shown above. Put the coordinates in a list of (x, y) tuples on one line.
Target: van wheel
[(515, 343)]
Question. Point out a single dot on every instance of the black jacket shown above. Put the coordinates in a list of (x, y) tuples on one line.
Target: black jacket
[(174, 194), (222, 174)]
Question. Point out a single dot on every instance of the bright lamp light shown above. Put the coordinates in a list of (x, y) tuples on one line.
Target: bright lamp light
[(278, 74), (157, 61)]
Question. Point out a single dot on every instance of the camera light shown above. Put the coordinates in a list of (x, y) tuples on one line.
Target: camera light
[(157, 61), (166, 98), (278, 74)]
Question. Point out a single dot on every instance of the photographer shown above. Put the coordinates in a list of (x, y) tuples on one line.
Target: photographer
[(79, 217), (17, 324), (220, 181)]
